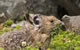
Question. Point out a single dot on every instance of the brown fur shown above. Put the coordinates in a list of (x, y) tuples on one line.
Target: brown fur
[(29, 34)]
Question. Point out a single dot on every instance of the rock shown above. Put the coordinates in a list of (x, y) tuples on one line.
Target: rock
[(2, 18), (16, 7), (72, 23), (76, 2), (46, 7), (71, 6), (12, 8), (22, 23)]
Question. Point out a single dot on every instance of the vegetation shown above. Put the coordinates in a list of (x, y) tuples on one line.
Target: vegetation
[(8, 22), (1, 49), (5, 27), (60, 40)]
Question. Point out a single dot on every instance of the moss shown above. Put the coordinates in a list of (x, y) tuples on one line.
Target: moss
[(1, 49), (64, 40), (20, 18), (18, 26), (1, 32), (38, 44), (60, 40), (6, 29), (8, 22)]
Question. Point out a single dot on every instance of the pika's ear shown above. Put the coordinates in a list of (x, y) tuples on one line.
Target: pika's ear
[(33, 18), (28, 18)]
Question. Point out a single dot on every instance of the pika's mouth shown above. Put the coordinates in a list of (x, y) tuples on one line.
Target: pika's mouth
[(57, 27)]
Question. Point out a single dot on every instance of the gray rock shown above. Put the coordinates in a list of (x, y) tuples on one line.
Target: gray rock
[(71, 6), (76, 2), (15, 7), (46, 7), (22, 23), (12, 8), (72, 23), (2, 17)]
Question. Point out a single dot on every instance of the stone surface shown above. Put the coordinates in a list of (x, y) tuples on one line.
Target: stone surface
[(12, 8), (16, 7), (71, 6), (46, 7), (72, 23)]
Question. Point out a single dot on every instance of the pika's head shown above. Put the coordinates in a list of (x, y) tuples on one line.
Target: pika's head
[(43, 23)]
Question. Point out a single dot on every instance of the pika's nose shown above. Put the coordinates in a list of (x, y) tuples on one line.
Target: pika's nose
[(62, 26)]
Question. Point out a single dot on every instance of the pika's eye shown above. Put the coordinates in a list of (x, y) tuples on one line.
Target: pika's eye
[(51, 21)]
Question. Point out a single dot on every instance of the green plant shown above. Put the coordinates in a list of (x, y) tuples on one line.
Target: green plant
[(30, 48), (20, 18), (38, 44), (1, 49), (6, 29), (60, 40), (64, 40), (18, 26), (1, 32), (8, 22)]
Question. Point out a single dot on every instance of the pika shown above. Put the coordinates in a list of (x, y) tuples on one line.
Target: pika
[(72, 23), (37, 28)]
